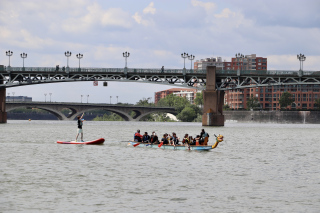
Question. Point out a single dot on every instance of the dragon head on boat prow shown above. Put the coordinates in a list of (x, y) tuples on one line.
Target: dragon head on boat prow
[(219, 139)]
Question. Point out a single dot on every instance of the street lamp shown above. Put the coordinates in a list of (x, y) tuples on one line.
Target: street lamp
[(79, 56), (23, 56), (50, 96), (45, 97), (110, 99), (184, 56), (301, 58), (9, 53), (191, 57), (67, 54), (87, 98), (117, 99), (126, 55), (13, 96), (81, 98), (239, 58)]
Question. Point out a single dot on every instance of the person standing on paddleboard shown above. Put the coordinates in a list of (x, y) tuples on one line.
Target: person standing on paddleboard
[(80, 123)]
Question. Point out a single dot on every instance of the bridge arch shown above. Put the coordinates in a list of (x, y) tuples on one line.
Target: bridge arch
[(122, 114), (58, 114)]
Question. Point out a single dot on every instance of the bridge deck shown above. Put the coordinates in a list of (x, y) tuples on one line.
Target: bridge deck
[(226, 79)]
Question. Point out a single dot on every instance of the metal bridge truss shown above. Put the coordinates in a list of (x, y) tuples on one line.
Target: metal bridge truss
[(18, 76), (227, 80)]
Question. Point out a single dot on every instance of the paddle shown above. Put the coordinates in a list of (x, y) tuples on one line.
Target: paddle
[(136, 144), (160, 144)]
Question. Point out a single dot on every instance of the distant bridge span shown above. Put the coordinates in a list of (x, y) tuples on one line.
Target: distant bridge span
[(77, 109)]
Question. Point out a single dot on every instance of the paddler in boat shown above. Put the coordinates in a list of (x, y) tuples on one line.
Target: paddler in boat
[(195, 140), (138, 136), (203, 135), (154, 138), (164, 139), (80, 123), (174, 140), (185, 139), (146, 138)]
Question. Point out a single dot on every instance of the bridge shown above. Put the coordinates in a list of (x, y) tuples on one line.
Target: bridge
[(214, 81), (77, 109)]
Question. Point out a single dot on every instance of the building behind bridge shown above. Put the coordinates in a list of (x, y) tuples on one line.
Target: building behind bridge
[(18, 99), (189, 94), (304, 95)]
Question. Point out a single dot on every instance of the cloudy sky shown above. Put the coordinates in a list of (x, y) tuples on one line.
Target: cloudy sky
[(155, 32)]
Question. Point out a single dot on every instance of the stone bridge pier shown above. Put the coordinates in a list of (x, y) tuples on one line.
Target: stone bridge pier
[(212, 101), (3, 113)]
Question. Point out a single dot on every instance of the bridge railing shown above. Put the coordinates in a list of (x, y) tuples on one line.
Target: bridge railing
[(101, 70), (157, 71)]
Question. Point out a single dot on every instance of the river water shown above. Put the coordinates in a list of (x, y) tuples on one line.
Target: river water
[(258, 168)]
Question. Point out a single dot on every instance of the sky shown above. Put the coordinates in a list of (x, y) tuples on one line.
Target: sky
[(155, 33)]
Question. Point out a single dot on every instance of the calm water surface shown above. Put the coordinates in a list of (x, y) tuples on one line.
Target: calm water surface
[(258, 168)]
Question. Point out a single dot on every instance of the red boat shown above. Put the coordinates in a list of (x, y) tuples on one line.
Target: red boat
[(94, 142)]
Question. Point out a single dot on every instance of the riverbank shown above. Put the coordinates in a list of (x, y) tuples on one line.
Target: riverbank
[(297, 117), (308, 117)]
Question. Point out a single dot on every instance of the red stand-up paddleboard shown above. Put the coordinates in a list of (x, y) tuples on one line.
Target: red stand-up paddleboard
[(98, 141)]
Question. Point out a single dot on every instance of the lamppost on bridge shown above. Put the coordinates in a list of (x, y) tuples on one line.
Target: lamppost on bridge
[(23, 56), (117, 99), (81, 98), (50, 96), (184, 56), (13, 96), (301, 58), (67, 54), (239, 58), (45, 97), (87, 98), (191, 57), (126, 55), (79, 56), (9, 53), (110, 99)]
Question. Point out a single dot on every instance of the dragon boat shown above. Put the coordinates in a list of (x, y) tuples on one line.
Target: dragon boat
[(196, 147)]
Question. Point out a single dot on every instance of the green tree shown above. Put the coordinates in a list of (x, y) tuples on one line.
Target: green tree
[(110, 117), (318, 103), (285, 100), (179, 103), (199, 99), (253, 103), (144, 102), (226, 107), (187, 114)]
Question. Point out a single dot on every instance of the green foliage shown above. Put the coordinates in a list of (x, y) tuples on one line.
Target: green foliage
[(179, 103), (253, 103), (317, 103), (111, 117), (285, 100), (161, 117), (144, 102), (188, 114), (199, 99), (226, 107), (198, 118)]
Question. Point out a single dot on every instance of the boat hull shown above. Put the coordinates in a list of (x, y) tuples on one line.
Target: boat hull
[(180, 147), (94, 142)]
